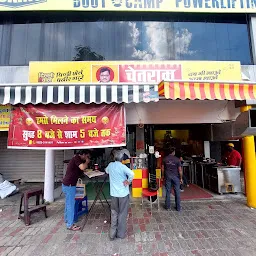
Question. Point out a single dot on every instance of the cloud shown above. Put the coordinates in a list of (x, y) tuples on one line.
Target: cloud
[(164, 42), (120, 40), (138, 40)]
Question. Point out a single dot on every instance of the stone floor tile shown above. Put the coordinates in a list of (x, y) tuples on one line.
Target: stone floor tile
[(7, 251), (207, 228)]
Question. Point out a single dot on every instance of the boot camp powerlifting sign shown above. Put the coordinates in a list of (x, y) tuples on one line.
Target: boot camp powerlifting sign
[(203, 6)]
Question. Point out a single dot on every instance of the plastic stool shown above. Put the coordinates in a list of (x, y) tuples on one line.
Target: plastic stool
[(80, 209)]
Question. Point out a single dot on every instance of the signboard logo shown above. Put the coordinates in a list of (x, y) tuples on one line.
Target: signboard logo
[(117, 3), (45, 77), (19, 3)]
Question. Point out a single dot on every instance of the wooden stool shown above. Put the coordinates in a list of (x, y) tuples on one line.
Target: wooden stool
[(26, 213)]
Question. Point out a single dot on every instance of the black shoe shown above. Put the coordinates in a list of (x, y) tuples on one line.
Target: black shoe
[(167, 209)]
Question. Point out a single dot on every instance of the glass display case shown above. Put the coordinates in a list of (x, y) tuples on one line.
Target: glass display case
[(139, 163)]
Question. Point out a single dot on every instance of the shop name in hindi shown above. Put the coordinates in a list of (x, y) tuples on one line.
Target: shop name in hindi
[(151, 74)]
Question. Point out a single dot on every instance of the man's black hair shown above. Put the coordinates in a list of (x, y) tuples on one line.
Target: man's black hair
[(104, 70), (171, 150), (83, 152)]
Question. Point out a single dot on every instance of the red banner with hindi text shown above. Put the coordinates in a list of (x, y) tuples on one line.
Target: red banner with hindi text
[(67, 126)]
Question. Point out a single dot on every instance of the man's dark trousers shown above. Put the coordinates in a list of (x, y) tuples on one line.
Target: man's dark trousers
[(119, 213), (169, 183)]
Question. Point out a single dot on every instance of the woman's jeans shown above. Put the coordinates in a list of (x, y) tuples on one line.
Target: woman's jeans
[(70, 194)]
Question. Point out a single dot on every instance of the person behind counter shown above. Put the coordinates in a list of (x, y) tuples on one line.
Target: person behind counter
[(172, 173), (232, 156), (75, 169), (120, 176)]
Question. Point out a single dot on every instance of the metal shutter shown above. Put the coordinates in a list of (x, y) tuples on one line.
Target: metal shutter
[(26, 164)]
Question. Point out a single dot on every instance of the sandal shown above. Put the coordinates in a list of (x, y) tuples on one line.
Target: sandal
[(74, 228)]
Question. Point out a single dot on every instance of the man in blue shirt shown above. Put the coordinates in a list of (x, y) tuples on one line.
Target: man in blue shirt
[(120, 176), (172, 172)]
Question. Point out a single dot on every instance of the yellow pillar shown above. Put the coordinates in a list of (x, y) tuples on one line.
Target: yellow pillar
[(249, 166), (250, 170)]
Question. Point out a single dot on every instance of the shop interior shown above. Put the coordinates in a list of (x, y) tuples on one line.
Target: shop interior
[(205, 173), (204, 168), (201, 157)]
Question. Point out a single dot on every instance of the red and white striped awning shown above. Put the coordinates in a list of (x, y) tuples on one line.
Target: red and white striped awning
[(207, 90)]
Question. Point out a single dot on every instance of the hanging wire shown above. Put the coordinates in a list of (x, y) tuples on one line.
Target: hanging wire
[(140, 125), (224, 108)]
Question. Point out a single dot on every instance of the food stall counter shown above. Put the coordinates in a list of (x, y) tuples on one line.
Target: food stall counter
[(228, 179), (218, 178), (140, 182)]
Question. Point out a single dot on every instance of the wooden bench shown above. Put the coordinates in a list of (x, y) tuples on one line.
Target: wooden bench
[(25, 214)]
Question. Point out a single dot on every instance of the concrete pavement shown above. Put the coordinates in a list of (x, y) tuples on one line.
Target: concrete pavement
[(213, 227)]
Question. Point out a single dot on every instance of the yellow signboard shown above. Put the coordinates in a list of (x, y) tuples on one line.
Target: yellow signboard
[(133, 71), (206, 6), (5, 112)]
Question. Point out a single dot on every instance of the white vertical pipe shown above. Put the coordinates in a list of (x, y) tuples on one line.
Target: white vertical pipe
[(207, 151), (252, 25), (49, 175)]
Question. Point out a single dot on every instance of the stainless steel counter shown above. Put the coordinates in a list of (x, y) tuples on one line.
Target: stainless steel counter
[(219, 179), (200, 173), (228, 175)]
